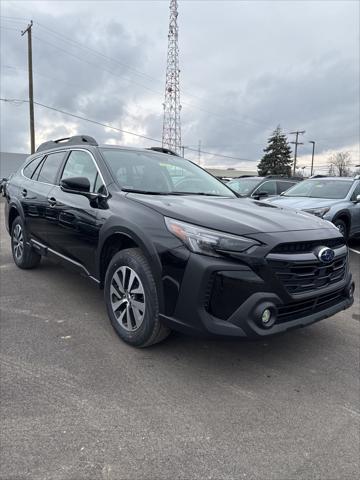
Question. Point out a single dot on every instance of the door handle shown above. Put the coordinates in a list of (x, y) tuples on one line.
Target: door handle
[(52, 201), (24, 192)]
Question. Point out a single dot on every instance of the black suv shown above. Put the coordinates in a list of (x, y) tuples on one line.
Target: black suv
[(261, 187), (171, 245)]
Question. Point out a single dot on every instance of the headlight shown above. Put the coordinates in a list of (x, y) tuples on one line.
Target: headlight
[(319, 212), (206, 241)]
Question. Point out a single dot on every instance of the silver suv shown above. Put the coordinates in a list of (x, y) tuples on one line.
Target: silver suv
[(336, 199), (261, 187)]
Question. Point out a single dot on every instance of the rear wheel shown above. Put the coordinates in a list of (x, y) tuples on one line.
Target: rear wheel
[(341, 225), (132, 300), (24, 256)]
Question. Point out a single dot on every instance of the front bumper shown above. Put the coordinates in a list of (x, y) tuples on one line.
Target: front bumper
[(226, 297)]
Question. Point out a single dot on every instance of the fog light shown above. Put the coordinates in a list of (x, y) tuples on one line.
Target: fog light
[(351, 290), (266, 316)]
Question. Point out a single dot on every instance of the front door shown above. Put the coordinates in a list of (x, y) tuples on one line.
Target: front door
[(73, 229)]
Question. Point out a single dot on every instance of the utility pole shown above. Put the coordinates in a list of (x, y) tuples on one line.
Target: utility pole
[(183, 150), (31, 86), (312, 157), (296, 143), (199, 153)]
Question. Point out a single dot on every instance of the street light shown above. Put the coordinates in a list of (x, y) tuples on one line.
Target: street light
[(312, 157)]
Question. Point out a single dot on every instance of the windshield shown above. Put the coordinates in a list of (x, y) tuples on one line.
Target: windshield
[(320, 188), (150, 172), (244, 186)]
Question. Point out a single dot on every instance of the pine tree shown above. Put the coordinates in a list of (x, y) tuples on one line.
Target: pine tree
[(277, 156)]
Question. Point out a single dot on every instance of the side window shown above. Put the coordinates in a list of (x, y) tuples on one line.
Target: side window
[(80, 164), (268, 188), (30, 168), (50, 168), (283, 186), (355, 193)]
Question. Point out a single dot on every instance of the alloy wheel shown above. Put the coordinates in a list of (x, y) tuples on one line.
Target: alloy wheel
[(341, 229), (18, 242), (127, 298)]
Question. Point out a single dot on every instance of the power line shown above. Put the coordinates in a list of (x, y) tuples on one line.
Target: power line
[(247, 120), (79, 117), (215, 154), (111, 127)]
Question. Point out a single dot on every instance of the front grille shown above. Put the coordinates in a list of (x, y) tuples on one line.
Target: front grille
[(295, 310), (305, 276), (306, 247)]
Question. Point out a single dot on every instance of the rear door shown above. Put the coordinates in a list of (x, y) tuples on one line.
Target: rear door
[(39, 178), (74, 227)]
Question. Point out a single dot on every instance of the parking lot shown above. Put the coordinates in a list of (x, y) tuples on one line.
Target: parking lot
[(77, 403)]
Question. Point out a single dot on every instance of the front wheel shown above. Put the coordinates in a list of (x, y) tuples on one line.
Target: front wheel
[(341, 225), (132, 300), (24, 256)]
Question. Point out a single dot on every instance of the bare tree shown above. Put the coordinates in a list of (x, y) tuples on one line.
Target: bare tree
[(339, 164)]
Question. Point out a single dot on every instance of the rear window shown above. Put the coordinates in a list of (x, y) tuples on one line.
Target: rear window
[(50, 168), (30, 168)]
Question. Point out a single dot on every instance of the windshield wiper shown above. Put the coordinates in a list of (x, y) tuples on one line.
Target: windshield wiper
[(145, 192), (198, 193), (150, 192)]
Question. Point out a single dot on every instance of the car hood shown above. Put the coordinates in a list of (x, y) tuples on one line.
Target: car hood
[(301, 203), (239, 216)]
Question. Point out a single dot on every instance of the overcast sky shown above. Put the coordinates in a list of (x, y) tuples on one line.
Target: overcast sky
[(246, 66)]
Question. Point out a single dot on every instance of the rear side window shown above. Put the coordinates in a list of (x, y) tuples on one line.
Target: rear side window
[(50, 167), (30, 168), (283, 186)]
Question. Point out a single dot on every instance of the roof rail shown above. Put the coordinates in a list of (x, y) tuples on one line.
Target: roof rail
[(75, 140), (163, 150), (245, 176), (285, 177)]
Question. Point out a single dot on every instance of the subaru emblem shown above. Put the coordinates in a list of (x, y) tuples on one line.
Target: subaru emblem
[(326, 255)]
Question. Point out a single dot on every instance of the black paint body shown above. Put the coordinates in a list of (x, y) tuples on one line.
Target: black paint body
[(197, 293)]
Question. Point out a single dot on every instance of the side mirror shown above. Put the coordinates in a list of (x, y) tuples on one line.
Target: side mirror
[(76, 185), (260, 195), (357, 199)]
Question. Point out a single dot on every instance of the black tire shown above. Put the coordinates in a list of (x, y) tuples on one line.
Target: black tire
[(341, 225), (24, 256), (126, 265)]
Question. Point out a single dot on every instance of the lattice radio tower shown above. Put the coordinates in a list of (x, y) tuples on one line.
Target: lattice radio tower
[(171, 137)]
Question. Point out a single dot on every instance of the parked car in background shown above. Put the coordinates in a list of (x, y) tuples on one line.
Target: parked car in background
[(336, 199), (261, 187)]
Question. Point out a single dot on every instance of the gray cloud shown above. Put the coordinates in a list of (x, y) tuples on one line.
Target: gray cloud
[(246, 67)]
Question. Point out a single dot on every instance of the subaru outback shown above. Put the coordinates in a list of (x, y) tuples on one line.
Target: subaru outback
[(171, 245)]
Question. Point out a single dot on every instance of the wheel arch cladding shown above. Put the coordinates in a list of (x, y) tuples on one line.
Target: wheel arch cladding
[(120, 239), (13, 213), (345, 217)]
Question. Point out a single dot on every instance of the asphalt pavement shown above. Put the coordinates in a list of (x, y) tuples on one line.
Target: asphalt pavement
[(77, 403)]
